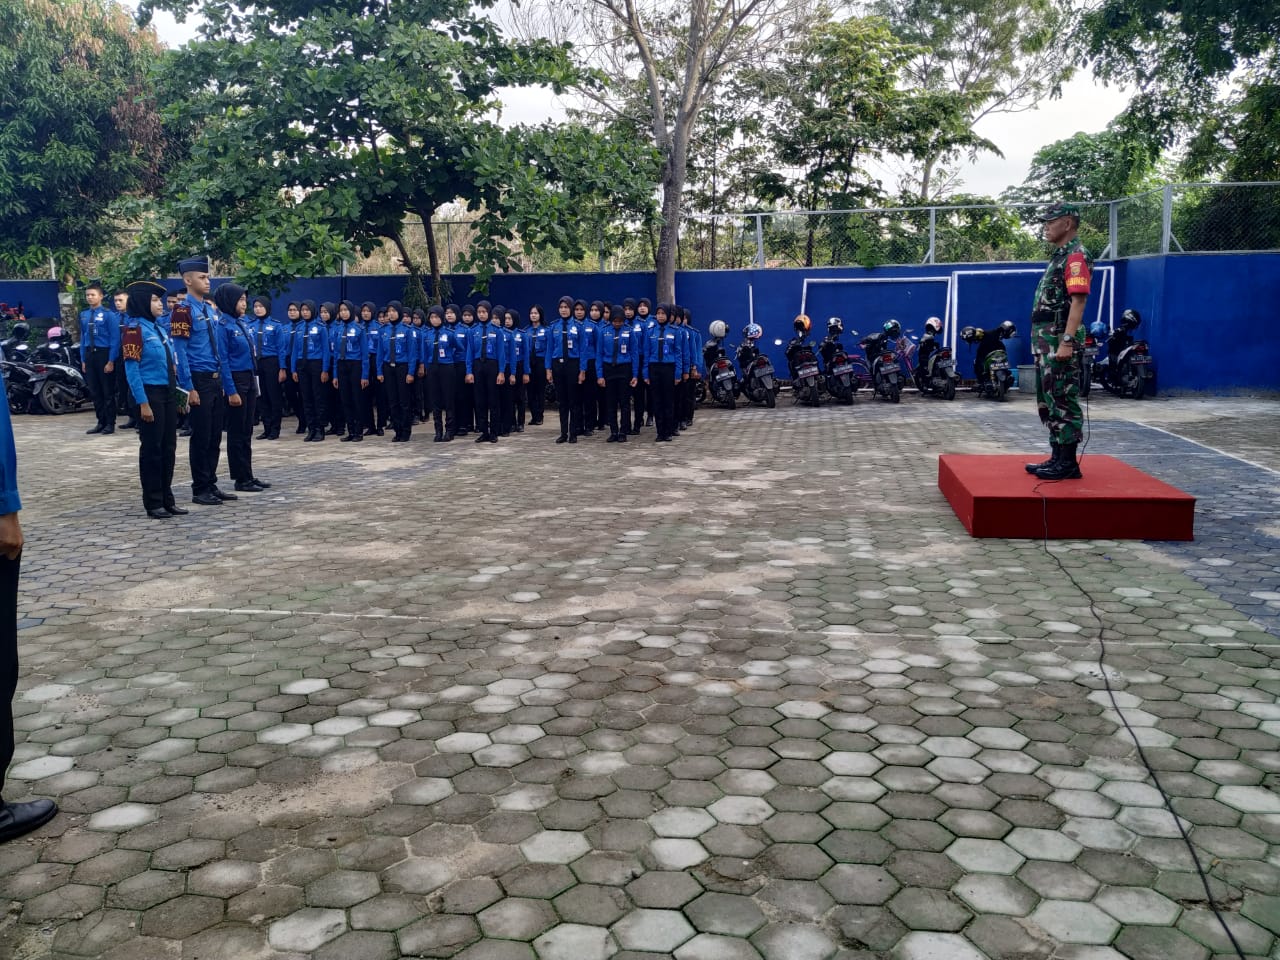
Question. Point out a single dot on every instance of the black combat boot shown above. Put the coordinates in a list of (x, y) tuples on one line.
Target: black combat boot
[(1065, 469), (1032, 468)]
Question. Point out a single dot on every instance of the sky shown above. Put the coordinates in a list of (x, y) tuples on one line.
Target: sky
[(1086, 106)]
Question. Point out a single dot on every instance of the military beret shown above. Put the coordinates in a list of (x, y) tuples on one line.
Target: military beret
[(194, 264)]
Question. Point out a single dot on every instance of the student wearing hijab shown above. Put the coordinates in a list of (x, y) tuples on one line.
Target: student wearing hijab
[(663, 369), (351, 369), (437, 372), (643, 401), (466, 402), (374, 397), (618, 363), (238, 352), (331, 399), (269, 335), (158, 380), (564, 369), (292, 388), (487, 368), (536, 391), (518, 381), (397, 368), (586, 380), (311, 361)]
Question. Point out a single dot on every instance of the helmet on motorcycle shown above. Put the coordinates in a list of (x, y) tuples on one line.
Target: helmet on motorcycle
[(835, 325), (893, 328), (1097, 329), (802, 323), (753, 331), (719, 329), (933, 325), (1130, 319), (968, 334), (21, 330), (1007, 330), (54, 333)]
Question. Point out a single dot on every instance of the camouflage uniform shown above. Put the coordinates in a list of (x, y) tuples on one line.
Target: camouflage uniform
[(1058, 381)]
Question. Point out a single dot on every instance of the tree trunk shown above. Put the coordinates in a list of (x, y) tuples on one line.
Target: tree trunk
[(433, 257), (673, 177), (926, 177)]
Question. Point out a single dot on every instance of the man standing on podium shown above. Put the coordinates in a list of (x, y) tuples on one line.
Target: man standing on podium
[(1057, 321)]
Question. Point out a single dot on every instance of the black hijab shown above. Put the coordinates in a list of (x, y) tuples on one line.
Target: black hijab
[(227, 297)]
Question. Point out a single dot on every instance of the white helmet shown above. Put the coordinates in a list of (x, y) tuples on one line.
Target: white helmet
[(718, 329), (933, 325)]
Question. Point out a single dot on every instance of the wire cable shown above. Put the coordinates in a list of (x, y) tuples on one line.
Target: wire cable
[(1115, 704)]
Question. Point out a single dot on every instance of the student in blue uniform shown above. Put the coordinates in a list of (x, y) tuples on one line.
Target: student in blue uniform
[(420, 412), (518, 381), (437, 348), (192, 323), (466, 401), (237, 351), (487, 365), (270, 335), (331, 399), (124, 399), (99, 355), (618, 364), (351, 369), (155, 374), (375, 396), (536, 390), (564, 369), (586, 382), (311, 361), (694, 363), (398, 362), (662, 369), (292, 389), (644, 400)]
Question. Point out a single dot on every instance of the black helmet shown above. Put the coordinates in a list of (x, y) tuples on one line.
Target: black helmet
[(835, 326), (893, 328), (1128, 320), (1007, 330), (968, 334), (21, 330)]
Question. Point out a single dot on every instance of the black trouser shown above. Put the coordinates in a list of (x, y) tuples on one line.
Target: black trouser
[(102, 385), (587, 398), (399, 397), (537, 389), (8, 656), (375, 399), (205, 420), (662, 387), (158, 448), (507, 403), (464, 398), (519, 392), (617, 384), (311, 389), (488, 396), (240, 422), (333, 414), (352, 394), (123, 396), (640, 399), (684, 412), (271, 400), (438, 384), (565, 374), (293, 394), (422, 408)]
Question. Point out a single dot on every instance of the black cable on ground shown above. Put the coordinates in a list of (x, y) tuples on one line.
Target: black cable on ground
[(1115, 704)]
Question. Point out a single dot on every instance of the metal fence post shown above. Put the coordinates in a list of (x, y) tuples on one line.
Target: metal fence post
[(759, 240), (1166, 218), (931, 257), (448, 245), (1113, 228)]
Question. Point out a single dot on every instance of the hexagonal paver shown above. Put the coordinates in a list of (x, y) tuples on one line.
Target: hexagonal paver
[(659, 931), (794, 941), (306, 929), (985, 856), (1137, 905), (555, 846), (937, 946), (1072, 922), (925, 909), (988, 893), (516, 918), (681, 822), (725, 913), (575, 941)]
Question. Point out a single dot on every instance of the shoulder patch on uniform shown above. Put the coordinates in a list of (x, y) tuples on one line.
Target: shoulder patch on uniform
[(180, 322), (131, 342)]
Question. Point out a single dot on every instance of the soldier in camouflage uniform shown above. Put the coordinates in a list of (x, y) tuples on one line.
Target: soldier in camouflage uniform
[(1056, 334)]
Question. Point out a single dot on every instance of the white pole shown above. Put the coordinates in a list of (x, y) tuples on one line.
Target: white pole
[(751, 304)]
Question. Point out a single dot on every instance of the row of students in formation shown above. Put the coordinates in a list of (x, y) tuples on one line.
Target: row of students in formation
[(353, 371)]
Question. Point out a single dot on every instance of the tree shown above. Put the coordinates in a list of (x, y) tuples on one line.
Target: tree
[(988, 55), (315, 126), (677, 53), (76, 126)]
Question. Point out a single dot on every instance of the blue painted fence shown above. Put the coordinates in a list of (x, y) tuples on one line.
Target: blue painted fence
[(1207, 317)]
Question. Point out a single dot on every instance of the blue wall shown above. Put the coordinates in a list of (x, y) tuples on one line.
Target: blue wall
[(39, 298)]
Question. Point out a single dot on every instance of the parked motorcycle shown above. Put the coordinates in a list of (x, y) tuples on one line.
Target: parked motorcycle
[(1127, 370), (57, 348), (886, 376), (21, 382), (1094, 342), (759, 384), (63, 388), (721, 381), (991, 365), (15, 347), (936, 372), (838, 377), (802, 363)]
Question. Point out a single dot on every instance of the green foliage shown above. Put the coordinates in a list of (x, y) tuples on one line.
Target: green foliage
[(316, 125), (76, 126)]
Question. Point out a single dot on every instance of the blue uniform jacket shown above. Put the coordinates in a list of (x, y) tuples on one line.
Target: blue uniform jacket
[(662, 345), (627, 350), (399, 344), (353, 344), (564, 340), (99, 327), (537, 337), (442, 345), (271, 336), (334, 329), (310, 342), (148, 351), (471, 334), (192, 326), (492, 346), (590, 341), (236, 350), (518, 351), (10, 502), (697, 361)]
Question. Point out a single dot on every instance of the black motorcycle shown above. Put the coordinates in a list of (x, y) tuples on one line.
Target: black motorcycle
[(57, 348), (886, 375), (22, 381), (721, 381), (838, 376), (991, 365), (759, 384), (63, 388), (1127, 369), (936, 372), (805, 373)]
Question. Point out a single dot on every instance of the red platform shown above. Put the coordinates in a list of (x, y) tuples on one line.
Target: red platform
[(995, 497)]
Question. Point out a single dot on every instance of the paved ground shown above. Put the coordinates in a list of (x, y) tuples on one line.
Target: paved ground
[(751, 694)]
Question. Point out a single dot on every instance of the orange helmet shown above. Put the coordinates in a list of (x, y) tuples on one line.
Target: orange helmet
[(803, 323)]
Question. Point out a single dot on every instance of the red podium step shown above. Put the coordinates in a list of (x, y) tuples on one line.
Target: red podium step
[(995, 497)]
